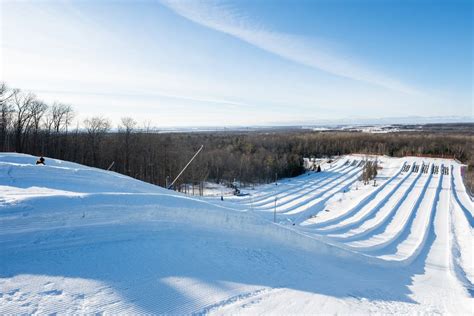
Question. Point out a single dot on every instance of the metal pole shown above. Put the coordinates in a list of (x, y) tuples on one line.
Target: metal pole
[(111, 165), (195, 155)]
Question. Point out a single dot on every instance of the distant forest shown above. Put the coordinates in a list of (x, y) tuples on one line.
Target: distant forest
[(28, 125)]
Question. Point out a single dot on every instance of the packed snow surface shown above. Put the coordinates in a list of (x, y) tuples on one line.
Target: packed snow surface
[(77, 240)]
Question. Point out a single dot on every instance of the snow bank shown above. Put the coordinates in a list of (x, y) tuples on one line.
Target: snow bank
[(413, 225)]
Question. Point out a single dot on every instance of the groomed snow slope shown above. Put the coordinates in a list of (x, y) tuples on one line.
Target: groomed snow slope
[(75, 240)]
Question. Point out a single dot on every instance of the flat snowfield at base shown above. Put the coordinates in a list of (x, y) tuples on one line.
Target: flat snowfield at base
[(79, 240)]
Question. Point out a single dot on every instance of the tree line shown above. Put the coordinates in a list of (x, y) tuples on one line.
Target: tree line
[(29, 125)]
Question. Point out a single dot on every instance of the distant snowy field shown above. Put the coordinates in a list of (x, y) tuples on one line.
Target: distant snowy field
[(77, 240)]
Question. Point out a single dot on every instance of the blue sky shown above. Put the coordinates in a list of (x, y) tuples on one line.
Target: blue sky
[(198, 63)]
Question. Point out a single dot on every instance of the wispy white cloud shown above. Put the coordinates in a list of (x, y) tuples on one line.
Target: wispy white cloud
[(226, 19), (144, 94)]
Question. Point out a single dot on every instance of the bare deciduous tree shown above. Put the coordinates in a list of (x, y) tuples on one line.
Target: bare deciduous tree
[(38, 109), (23, 103), (61, 117), (126, 128), (96, 128), (6, 112)]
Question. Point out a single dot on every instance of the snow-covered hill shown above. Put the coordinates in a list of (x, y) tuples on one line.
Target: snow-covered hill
[(75, 239)]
